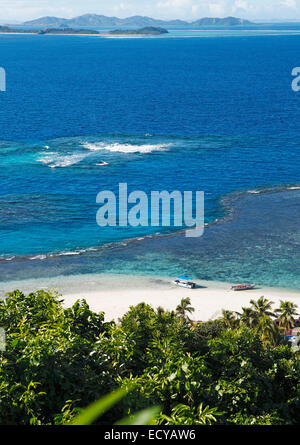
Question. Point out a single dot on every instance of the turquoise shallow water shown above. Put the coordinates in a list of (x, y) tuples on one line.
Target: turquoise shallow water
[(81, 115), (258, 241)]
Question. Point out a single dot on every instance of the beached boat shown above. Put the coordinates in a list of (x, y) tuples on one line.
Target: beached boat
[(240, 287), (185, 282)]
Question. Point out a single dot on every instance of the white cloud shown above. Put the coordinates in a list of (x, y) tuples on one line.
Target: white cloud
[(122, 8), (217, 9), (289, 4), (178, 8), (241, 4)]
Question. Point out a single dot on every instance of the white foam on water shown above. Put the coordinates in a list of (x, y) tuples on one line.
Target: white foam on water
[(73, 252), (54, 160), (38, 257), (102, 163), (77, 252), (125, 148), (257, 192)]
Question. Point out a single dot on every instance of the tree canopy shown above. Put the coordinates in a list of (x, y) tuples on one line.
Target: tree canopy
[(234, 370)]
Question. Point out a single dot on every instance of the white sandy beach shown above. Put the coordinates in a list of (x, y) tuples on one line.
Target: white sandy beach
[(114, 294)]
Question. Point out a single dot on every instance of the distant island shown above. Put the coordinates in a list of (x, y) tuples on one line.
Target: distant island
[(148, 30), (94, 20), (66, 31), (8, 30), (227, 21), (60, 31)]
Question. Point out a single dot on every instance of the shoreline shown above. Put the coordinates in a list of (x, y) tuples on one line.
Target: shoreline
[(114, 294)]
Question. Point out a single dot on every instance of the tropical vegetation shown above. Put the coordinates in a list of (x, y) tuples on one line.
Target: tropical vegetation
[(237, 370)]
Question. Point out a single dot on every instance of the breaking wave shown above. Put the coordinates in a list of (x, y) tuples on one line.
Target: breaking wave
[(85, 150), (54, 160), (125, 148)]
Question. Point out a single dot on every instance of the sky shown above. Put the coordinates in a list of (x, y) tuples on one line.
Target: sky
[(21, 10)]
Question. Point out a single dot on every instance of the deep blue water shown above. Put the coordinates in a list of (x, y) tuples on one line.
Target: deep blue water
[(82, 114), (70, 86)]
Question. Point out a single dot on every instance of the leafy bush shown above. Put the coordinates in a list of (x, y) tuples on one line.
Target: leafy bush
[(58, 361)]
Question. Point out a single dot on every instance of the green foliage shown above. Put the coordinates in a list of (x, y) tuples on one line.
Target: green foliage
[(58, 361), (210, 329), (264, 419), (287, 310), (185, 415), (261, 319), (185, 308), (49, 357), (230, 319), (144, 325)]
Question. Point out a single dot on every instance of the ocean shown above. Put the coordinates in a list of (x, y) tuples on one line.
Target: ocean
[(83, 114)]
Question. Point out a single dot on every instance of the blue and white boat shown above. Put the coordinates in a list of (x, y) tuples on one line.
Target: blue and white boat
[(185, 282)]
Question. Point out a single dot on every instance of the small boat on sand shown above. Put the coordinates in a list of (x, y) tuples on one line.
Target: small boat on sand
[(241, 287), (185, 282)]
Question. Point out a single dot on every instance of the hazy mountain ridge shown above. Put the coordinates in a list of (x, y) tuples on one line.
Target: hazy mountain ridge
[(104, 21), (227, 21)]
